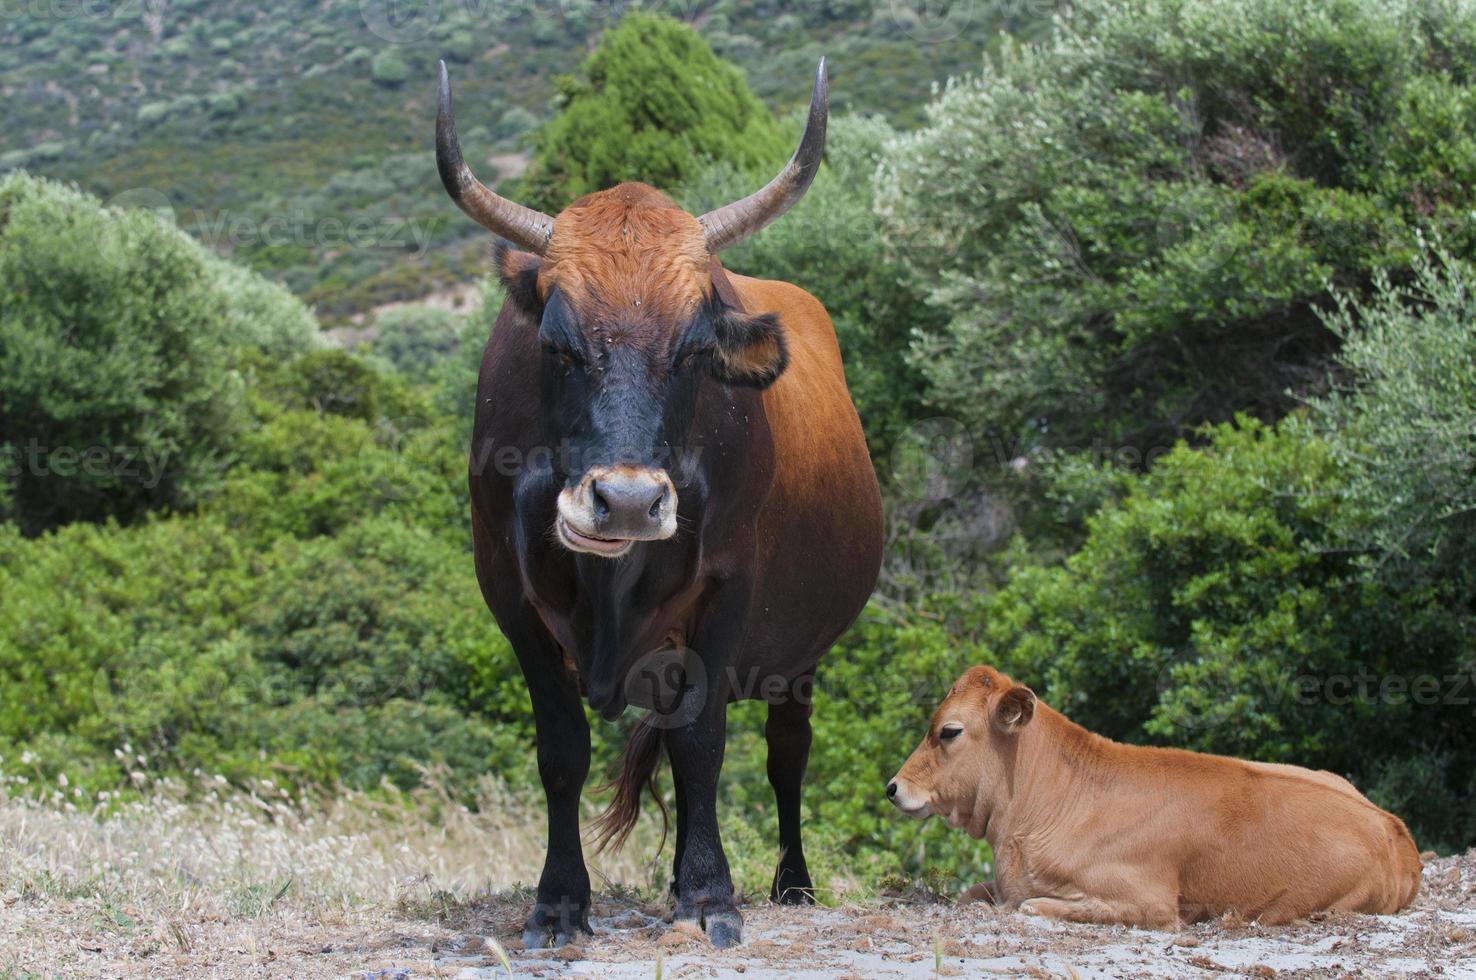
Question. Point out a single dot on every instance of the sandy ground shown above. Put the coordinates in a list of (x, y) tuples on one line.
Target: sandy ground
[(436, 937)]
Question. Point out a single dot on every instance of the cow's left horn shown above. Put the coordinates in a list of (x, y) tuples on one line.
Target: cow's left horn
[(734, 222), (522, 226)]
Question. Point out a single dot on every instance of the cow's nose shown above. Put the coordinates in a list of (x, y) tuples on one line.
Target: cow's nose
[(629, 504), (892, 790)]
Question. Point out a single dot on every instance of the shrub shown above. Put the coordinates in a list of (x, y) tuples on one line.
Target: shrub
[(389, 69), (652, 103), (1130, 227), (117, 339), (417, 339), (352, 659), (1215, 607)]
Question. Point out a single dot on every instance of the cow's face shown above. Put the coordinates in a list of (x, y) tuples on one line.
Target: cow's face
[(631, 324), (959, 770)]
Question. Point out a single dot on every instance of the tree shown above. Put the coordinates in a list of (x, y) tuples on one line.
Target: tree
[(652, 103)]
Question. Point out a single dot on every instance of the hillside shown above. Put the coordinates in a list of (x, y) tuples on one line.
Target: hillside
[(296, 135)]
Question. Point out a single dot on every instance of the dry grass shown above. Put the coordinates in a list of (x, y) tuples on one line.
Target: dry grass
[(208, 879)]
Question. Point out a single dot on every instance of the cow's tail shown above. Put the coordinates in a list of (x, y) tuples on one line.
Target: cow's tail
[(637, 772)]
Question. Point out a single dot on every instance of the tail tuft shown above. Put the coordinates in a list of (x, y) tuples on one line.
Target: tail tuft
[(637, 772)]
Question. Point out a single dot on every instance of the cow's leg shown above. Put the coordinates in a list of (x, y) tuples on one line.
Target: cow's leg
[(704, 884), (788, 734), (681, 825), (562, 906), (1148, 914)]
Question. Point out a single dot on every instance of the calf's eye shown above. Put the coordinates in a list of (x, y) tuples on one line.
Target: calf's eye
[(950, 732)]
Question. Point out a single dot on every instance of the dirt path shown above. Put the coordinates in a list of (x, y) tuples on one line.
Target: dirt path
[(1437, 938), (440, 938)]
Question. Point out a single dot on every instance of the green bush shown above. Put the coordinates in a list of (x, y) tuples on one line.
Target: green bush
[(1216, 607), (118, 336), (652, 103), (355, 659), (417, 339), (389, 69), (1130, 227)]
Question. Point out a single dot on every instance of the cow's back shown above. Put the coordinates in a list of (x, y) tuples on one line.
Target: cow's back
[(1283, 841), (820, 529)]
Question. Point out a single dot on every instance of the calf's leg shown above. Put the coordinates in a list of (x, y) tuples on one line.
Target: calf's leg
[(1150, 914)]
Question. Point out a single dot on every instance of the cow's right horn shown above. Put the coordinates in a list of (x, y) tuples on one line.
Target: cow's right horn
[(522, 226), (734, 222)]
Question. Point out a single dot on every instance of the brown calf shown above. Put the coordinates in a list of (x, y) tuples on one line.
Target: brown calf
[(1087, 829)]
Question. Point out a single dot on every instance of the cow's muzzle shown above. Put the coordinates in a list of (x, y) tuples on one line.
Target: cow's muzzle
[(906, 798), (613, 507)]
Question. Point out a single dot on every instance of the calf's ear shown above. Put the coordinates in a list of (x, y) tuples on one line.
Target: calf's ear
[(518, 272), (750, 348), (1015, 709)]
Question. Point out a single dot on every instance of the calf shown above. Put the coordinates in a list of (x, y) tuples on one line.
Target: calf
[(1087, 829)]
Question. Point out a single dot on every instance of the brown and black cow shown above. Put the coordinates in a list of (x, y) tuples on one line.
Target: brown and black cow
[(672, 506)]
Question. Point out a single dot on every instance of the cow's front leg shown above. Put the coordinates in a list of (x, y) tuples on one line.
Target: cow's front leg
[(704, 887), (562, 908)]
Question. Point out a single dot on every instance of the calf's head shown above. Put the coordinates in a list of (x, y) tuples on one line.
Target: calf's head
[(634, 314), (962, 767)]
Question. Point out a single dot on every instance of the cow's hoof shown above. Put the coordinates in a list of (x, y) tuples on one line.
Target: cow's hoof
[(724, 929), (792, 890), (542, 932), (546, 937)]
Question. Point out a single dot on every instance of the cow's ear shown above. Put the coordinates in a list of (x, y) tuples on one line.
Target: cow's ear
[(1015, 709), (750, 348), (518, 272)]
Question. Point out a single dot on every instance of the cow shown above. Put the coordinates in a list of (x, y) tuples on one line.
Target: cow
[(1091, 830), (672, 506)]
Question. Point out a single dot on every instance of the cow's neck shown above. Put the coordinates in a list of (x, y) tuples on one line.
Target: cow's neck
[(1055, 764)]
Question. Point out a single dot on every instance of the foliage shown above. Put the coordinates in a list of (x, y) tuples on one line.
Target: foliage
[(1130, 227), (652, 103), (1214, 607), (417, 339), (1403, 424), (389, 68), (117, 337), (347, 659)]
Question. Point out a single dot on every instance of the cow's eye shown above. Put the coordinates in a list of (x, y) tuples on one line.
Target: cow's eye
[(564, 361), (950, 732)]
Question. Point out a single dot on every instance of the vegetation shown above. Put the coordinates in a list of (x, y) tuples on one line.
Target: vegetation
[(118, 338), (653, 103), (1160, 329), (1131, 227), (293, 136)]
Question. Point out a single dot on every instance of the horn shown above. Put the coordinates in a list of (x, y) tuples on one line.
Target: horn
[(522, 226), (734, 222)]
